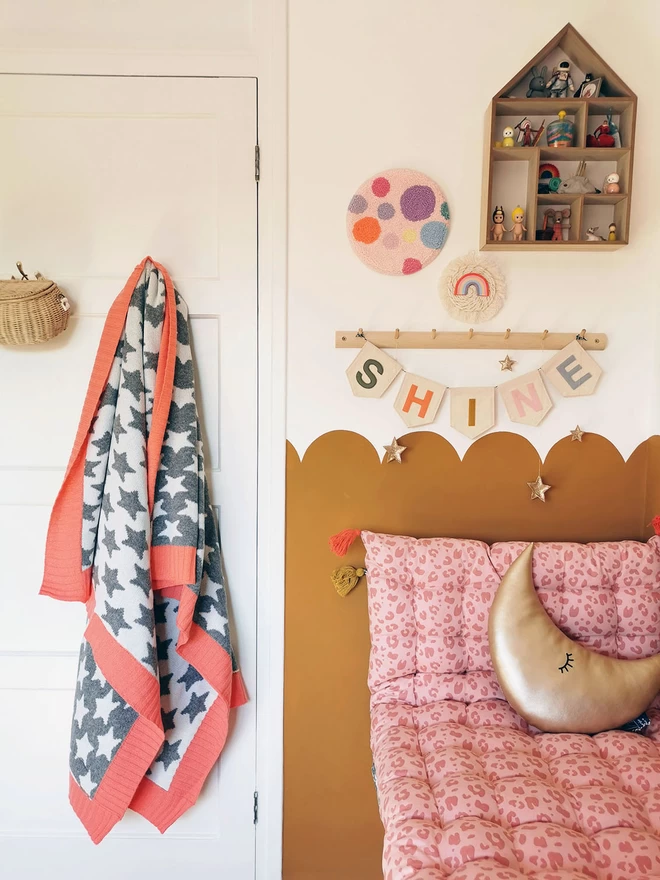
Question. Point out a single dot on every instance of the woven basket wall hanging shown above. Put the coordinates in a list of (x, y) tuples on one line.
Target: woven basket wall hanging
[(31, 311)]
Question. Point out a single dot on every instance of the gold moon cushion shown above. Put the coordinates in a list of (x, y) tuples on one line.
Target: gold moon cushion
[(551, 681)]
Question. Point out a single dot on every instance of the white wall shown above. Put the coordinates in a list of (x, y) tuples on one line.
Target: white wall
[(376, 84)]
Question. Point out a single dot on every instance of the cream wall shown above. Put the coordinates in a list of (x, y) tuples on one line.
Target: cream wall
[(376, 84)]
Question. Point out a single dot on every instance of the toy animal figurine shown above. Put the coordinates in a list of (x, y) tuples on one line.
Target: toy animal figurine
[(537, 87), (556, 229), (565, 223), (592, 234), (587, 79), (611, 184), (507, 137), (518, 216), (579, 183), (560, 83), (498, 229), (528, 136), (611, 235)]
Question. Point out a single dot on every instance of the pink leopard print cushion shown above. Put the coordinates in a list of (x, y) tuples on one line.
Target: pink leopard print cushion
[(466, 788)]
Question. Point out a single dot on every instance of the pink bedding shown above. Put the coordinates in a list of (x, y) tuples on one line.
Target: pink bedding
[(466, 788)]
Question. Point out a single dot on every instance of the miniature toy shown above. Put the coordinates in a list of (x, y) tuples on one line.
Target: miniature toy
[(498, 228), (518, 216), (602, 136), (556, 229), (592, 88), (592, 234), (560, 131), (545, 232), (537, 87), (565, 223), (547, 173), (528, 136), (553, 184), (611, 235), (587, 79), (560, 83), (507, 136), (579, 183), (611, 184)]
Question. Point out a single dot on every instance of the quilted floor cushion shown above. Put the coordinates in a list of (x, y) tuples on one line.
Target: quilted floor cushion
[(466, 789)]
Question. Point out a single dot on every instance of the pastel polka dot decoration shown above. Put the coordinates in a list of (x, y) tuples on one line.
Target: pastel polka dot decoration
[(472, 288), (398, 221)]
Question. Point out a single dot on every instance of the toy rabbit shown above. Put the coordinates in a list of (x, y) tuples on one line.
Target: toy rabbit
[(592, 234), (537, 87), (498, 229), (518, 216)]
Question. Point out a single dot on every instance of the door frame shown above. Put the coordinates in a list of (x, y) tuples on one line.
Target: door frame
[(267, 64)]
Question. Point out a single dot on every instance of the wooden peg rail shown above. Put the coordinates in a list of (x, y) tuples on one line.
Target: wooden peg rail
[(477, 339)]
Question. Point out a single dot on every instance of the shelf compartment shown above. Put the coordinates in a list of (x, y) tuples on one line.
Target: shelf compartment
[(602, 198), (515, 154), (576, 154)]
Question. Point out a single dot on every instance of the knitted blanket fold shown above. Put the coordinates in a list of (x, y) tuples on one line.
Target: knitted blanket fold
[(133, 535)]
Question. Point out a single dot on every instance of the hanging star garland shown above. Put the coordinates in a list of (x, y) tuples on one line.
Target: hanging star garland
[(577, 433), (508, 364), (394, 451), (539, 488)]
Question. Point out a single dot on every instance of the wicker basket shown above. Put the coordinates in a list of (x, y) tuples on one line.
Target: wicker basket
[(31, 311)]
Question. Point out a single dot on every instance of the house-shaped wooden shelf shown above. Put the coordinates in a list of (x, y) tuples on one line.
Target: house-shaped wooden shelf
[(522, 175)]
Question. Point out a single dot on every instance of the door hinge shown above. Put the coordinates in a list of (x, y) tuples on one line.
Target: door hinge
[(257, 163), (255, 807)]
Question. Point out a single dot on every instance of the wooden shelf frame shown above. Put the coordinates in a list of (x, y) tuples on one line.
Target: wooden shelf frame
[(505, 340), (587, 113)]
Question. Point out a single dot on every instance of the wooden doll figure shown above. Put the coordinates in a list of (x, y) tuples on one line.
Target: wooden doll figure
[(498, 229), (557, 230), (518, 228)]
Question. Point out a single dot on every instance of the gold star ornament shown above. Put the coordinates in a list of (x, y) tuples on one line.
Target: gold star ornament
[(576, 434), (507, 364), (394, 451), (539, 488)]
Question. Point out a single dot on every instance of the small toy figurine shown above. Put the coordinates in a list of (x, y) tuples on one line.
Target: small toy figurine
[(611, 184), (528, 136), (498, 229), (518, 215), (587, 79), (507, 136), (565, 223), (537, 87), (602, 136), (560, 83), (560, 131), (556, 229), (611, 235), (579, 183), (592, 234)]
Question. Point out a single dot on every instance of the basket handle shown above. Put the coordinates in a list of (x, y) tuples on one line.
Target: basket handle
[(19, 266)]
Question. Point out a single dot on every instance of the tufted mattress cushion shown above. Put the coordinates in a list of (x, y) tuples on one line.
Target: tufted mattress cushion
[(467, 789)]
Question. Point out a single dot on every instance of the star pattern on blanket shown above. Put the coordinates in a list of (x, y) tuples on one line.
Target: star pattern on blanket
[(101, 722)]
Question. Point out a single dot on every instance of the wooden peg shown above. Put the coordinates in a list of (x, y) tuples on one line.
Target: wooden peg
[(544, 334), (433, 333), (396, 334), (507, 333), (470, 333)]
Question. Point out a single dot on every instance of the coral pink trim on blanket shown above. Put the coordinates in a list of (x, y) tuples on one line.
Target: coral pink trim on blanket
[(172, 565), (100, 814), (64, 577)]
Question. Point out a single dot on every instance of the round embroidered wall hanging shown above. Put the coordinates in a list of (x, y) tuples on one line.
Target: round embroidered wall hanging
[(397, 221), (472, 288)]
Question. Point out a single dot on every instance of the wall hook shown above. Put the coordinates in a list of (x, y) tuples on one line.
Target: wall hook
[(507, 333), (470, 333), (396, 334), (544, 334), (433, 333)]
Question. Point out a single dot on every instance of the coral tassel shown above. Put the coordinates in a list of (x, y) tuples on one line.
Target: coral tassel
[(346, 578), (341, 543)]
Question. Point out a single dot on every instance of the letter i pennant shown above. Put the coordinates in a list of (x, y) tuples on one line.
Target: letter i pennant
[(418, 400), (372, 372)]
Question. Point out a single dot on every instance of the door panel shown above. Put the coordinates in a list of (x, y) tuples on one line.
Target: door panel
[(105, 170)]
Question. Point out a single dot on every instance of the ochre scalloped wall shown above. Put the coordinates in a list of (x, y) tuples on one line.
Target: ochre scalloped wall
[(331, 826)]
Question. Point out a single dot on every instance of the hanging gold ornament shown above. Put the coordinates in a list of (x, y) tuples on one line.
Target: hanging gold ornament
[(539, 488), (394, 451), (508, 363), (577, 433)]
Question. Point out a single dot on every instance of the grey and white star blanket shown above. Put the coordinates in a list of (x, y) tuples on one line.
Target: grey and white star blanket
[(133, 535)]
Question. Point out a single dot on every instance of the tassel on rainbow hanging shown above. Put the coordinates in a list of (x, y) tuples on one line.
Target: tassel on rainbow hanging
[(346, 577)]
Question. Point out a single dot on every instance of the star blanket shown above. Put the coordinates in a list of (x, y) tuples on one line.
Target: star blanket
[(133, 535)]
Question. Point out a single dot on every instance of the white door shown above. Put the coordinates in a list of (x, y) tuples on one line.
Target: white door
[(96, 173)]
